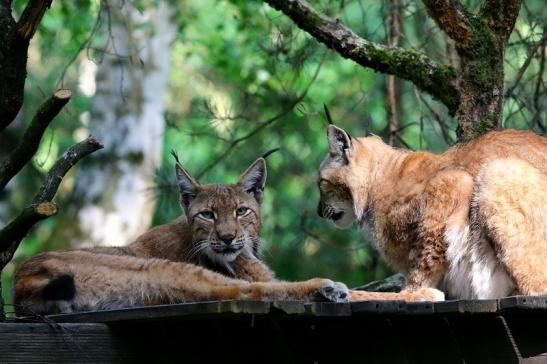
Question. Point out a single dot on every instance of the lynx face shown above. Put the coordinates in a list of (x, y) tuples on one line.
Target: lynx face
[(343, 187), (224, 219)]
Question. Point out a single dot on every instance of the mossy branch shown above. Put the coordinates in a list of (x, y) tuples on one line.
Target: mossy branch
[(436, 79)]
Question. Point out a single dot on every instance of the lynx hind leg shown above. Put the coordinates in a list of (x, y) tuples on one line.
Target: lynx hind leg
[(510, 204)]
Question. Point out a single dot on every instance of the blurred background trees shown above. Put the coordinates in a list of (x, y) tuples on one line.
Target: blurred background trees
[(221, 82)]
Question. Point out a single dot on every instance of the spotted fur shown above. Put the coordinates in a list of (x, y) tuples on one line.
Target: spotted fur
[(470, 221), (209, 253)]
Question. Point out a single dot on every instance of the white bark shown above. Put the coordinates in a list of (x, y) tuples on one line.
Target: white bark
[(127, 117)]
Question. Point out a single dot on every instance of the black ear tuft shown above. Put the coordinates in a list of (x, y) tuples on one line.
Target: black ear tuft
[(253, 179), (339, 142), (188, 187), (268, 153), (367, 125), (175, 155), (327, 113)]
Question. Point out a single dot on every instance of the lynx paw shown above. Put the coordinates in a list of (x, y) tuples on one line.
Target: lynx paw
[(332, 292), (428, 294)]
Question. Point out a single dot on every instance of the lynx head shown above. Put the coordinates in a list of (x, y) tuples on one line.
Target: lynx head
[(344, 177), (224, 218)]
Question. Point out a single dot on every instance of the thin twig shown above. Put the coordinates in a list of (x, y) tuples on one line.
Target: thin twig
[(264, 123), (31, 139)]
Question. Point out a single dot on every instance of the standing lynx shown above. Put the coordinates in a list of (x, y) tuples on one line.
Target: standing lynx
[(209, 253), (470, 222)]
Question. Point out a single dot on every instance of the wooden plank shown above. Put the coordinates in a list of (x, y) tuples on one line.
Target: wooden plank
[(483, 339), (61, 343), (466, 306), (293, 307), (306, 308), (529, 332), (331, 309), (524, 303), (420, 308), (161, 312), (427, 340), (379, 307), (340, 340)]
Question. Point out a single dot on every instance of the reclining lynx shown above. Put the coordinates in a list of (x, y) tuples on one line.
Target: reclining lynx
[(470, 222), (208, 253)]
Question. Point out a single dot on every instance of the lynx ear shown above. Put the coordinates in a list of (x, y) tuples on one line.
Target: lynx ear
[(253, 179), (339, 143), (187, 185)]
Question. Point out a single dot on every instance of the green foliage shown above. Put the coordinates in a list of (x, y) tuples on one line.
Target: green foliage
[(237, 68)]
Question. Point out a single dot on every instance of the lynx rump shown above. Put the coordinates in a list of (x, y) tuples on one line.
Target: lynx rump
[(470, 222), (209, 253)]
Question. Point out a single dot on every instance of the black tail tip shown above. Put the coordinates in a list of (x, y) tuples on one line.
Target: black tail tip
[(61, 288)]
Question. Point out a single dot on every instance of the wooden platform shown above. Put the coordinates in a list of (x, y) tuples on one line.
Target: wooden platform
[(511, 330)]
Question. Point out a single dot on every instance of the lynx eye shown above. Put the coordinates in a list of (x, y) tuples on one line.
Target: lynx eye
[(242, 211), (209, 215)]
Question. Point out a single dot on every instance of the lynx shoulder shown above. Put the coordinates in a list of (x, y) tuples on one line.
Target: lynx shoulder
[(469, 222), (209, 253)]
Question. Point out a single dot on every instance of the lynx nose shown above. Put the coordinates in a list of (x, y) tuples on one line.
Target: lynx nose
[(227, 239)]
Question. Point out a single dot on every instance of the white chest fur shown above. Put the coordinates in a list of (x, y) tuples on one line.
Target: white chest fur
[(474, 271)]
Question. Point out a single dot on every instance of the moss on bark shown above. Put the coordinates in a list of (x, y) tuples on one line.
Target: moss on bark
[(482, 82), (436, 79)]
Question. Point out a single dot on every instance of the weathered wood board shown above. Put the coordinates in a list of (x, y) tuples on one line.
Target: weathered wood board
[(511, 330)]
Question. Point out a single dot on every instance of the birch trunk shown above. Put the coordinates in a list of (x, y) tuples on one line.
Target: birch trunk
[(127, 115)]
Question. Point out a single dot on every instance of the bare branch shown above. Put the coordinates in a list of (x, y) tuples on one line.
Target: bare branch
[(263, 124), (31, 17), (41, 206), (19, 227), (31, 139), (500, 15), (452, 18), (436, 79), (5, 10), (393, 88), (531, 53)]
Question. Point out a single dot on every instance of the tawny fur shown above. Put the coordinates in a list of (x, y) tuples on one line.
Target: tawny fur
[(210, 253), (470, 222)]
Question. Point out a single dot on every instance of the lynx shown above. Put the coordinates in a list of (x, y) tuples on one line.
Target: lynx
[(469, 223), (209, 253)]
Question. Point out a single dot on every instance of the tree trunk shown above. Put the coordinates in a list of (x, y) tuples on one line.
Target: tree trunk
[(13, 70), (112, 191), (393, 85), (481, 87), (480, 41)]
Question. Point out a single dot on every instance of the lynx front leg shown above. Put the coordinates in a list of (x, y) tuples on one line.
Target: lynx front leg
[(250, 268), (444, 210), (313, 289)]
